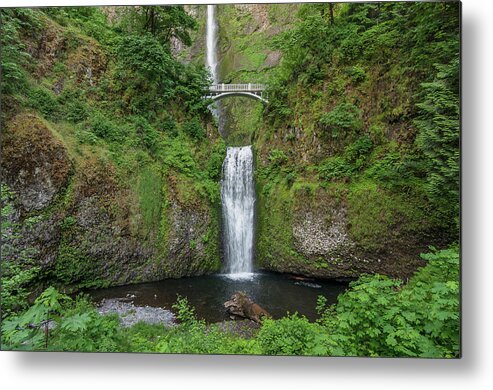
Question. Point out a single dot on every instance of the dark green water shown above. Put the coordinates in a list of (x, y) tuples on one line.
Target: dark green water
[(277, 293)]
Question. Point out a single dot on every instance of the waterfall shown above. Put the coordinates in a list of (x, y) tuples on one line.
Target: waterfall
[(211, 42), (238, 201), (237, 187)]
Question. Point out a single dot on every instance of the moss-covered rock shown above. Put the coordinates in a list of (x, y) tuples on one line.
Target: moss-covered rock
[(339, 232), (35, 162)]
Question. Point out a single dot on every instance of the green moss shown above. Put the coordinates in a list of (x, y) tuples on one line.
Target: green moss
[(275, 221), (212, 242), (150, 196), (75, 270), (379, 218)]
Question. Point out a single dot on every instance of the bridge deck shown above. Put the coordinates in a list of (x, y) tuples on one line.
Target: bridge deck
[(220, 88)]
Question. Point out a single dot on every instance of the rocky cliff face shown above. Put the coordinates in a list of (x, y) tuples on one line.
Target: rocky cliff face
[(309, 232), (85, 228)]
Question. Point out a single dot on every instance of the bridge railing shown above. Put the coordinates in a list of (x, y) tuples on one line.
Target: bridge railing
[(217, 88)]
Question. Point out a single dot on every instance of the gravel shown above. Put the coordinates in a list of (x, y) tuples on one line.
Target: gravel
[(130, 314)]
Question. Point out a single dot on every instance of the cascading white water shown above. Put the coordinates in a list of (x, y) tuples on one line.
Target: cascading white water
[(211, 42), (238, 202)]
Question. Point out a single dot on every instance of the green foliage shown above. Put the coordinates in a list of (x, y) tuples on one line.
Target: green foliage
[(382, 116), (215, 163), (357, 74), (105, 128), (82, 328), (379, 218), (58, 323), (73, 106), (149, 77), (26, 331), (147, 134), (292, 335), (185, 313), (345, 118), (150, 196), (44, 101), (162, 22), (438, 139), (178, 155), (380, 317), (334, 168), (73, 268), (69, 105), (68, 222), (192, 82), (145, 73), (193, 335), (277, 158), (168, 126), (14, 57), (346, 166), (90, 20), (18, 270), (194, 129), (359, 150)]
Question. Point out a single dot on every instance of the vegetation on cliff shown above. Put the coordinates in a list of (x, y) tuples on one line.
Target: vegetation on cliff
[(363, 111), (126, 156)]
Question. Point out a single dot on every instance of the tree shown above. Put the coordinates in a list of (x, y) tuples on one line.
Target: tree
[(331, 13), (163, 22), (438, 138)]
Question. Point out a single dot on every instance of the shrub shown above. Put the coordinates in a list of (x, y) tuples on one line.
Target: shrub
[(105, 128), (74, 109), (438, 139), (14, 56), (378, 316), (278, 158), (44, 101), (292, 335), (345, 117), (148, 135), (18, 270), (168, 126), (334, 168), (359, 149), (78, 326), (215, 163), (357, 74), (194, 129)]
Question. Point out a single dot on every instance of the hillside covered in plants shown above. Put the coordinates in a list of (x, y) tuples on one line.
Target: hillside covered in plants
[(358, 148), (108, 146), (112, 165)]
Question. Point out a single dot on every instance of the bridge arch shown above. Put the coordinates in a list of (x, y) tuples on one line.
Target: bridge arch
[(245, 94), (220, 91)]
